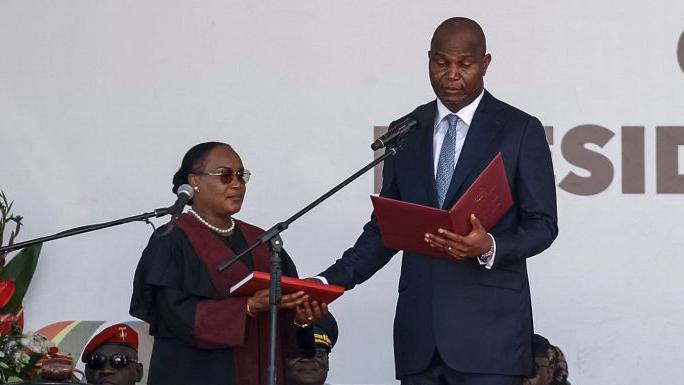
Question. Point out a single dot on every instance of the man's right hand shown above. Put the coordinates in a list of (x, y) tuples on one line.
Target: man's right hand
[(310, 312)]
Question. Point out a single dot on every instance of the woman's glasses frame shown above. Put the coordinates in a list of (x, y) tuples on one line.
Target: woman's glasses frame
[(228, 174)]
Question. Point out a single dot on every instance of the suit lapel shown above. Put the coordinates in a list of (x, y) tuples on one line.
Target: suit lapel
[(483, 129), (426, 122)]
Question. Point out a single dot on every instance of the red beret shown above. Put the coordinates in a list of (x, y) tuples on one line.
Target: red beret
[(115, 334)]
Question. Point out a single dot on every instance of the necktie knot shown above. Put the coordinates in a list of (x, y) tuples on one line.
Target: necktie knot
[(453, 120)]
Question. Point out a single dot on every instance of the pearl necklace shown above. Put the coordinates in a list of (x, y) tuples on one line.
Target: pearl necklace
[(209, 225)]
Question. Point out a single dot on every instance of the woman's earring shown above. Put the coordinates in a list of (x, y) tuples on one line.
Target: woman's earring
[(196, 189)]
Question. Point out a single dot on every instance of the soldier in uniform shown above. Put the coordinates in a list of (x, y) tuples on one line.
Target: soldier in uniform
[(551, 368), (111, 357), (314, 371)]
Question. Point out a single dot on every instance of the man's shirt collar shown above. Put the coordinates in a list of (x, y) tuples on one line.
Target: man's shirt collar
[(465, 114)]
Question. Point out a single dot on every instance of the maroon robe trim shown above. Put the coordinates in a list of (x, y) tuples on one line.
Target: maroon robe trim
[(224, 323)]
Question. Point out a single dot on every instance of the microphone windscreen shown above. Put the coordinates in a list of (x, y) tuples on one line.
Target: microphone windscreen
[(186, 189)]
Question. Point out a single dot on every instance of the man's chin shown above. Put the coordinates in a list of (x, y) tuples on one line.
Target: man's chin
[(309, 375), (453, 102)]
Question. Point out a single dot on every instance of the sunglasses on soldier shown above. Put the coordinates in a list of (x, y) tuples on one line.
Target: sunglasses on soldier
[(116, 361)]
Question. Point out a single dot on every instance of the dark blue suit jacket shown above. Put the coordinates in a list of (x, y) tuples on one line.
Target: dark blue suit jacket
[(479, 320)]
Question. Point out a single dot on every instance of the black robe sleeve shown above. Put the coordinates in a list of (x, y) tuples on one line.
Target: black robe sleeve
[(172, 291)]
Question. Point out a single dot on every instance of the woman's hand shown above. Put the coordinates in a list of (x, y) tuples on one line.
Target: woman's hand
[(310, 312), (259, 301)]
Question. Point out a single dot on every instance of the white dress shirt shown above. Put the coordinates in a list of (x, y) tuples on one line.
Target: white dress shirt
[(442, 125), (465, 114)]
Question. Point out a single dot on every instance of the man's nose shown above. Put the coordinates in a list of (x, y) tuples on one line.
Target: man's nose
[(107, 369), (453, 72)]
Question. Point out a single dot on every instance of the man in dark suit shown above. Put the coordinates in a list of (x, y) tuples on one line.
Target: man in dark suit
[(466, 321)]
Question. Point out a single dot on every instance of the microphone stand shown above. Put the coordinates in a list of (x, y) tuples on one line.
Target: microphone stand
[(145, 217), (272, 237)]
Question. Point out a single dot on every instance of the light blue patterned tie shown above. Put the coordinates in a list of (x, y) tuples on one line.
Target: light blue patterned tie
[(445, 166)]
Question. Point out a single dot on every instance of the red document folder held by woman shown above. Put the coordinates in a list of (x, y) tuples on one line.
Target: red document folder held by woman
[(403, 225), (258, 280)]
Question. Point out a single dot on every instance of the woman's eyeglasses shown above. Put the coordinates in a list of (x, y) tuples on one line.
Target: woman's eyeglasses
[(116, 361), (228, 174)]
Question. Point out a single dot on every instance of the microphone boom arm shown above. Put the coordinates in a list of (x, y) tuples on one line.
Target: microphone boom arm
[(145, 217), (281, 226)]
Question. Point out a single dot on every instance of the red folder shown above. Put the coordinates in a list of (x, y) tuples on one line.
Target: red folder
[(258, 280), (403, 225)]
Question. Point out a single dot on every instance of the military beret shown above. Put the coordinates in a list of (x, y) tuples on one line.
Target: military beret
[(116, 334)]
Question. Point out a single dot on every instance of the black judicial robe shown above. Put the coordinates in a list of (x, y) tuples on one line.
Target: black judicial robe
[(202, 335)]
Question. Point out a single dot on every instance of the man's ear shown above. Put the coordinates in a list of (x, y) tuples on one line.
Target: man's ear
[(138, 372), (485, 63)]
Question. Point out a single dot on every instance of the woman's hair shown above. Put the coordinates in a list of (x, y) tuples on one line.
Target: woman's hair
[(192, 161)]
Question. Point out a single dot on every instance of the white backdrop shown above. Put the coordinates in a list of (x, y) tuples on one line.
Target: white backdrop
[(100, 100)]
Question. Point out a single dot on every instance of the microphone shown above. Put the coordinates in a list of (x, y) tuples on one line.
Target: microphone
[(396, 131), (184, 193)]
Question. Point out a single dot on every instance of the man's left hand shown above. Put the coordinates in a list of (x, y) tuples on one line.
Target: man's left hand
[(476, 243)]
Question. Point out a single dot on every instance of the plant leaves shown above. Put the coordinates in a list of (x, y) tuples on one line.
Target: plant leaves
[(20, 269)]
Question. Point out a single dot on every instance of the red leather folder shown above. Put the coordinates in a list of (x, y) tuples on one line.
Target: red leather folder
[(258, 280), (403, 225)]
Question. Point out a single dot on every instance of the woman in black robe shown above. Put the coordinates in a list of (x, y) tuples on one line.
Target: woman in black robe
[(202, 335)]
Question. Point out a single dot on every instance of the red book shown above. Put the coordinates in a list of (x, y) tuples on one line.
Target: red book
[(317, 291), (403, 225)]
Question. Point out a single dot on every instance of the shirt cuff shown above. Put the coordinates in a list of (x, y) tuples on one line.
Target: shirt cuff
[(490, 262), (322, 279)]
